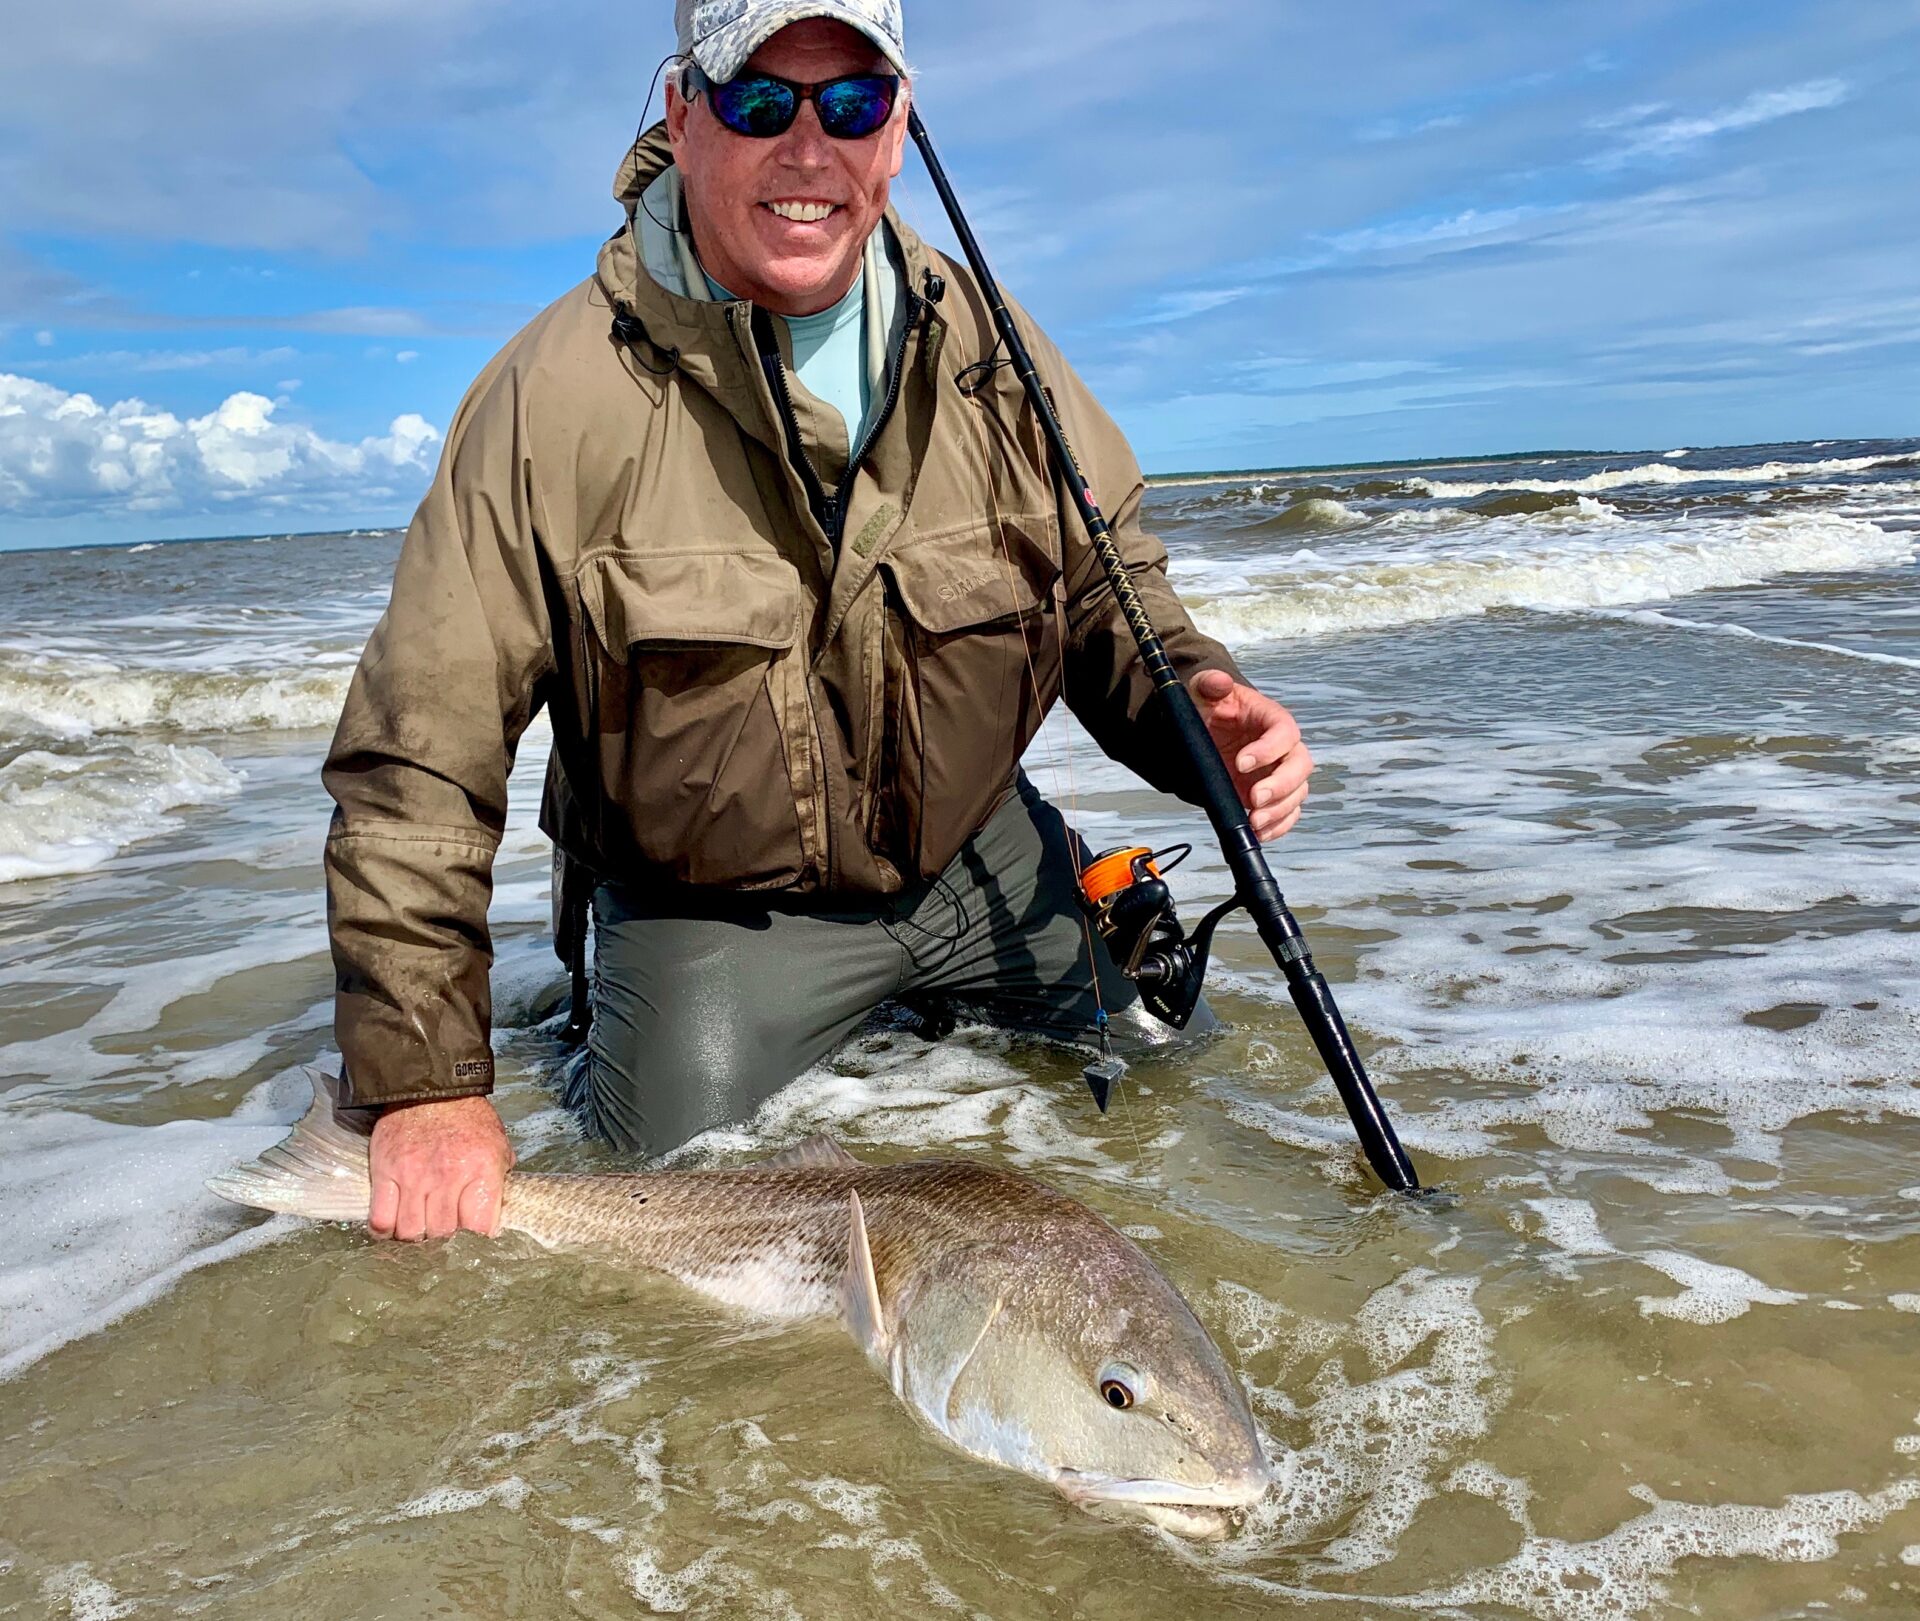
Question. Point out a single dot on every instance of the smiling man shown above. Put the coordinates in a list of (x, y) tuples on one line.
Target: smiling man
[(761, 517)]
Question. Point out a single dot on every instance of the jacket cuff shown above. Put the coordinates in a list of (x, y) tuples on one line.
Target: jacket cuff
[(381, 1105), (472, 1078)]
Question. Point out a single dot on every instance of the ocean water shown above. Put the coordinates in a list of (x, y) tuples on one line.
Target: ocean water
[(1612, 862)]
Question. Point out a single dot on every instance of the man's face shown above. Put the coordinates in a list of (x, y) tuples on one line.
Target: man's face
[(734, 182)]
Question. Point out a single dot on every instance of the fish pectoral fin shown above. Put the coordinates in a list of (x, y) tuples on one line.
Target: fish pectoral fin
[(860, 1289), (815, 1154)]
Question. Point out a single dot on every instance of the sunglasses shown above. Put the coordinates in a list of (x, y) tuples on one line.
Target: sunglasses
[(761, 106)]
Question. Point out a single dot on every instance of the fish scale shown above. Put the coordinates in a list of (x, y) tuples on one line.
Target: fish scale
[(1016, 1323), (698, 1225)]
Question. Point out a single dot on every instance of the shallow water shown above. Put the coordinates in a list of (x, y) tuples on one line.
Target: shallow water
[(1611, 862)]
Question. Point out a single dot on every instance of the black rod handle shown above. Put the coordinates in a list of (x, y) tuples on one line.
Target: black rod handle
[(1253, 879)]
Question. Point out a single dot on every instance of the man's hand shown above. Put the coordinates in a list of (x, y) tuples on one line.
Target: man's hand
[(438, 1167), (1261, 745)]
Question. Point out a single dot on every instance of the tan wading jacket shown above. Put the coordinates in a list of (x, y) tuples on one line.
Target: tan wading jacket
[(760, 679)]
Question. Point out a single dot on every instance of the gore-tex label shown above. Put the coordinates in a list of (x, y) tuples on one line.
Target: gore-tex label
[(473, 1069)]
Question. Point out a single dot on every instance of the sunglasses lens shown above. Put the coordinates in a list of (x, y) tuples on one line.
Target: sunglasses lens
[(756, 107), (851, 108)]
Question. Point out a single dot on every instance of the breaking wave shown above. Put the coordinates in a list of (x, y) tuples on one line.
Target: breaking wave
[(1312, 595), (1231, 499), (46, 696), (62, 813), (1528, 503), (1661, 472), (1316, 512)]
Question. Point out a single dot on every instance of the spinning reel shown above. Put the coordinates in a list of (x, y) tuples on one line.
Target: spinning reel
[(1126, 897)]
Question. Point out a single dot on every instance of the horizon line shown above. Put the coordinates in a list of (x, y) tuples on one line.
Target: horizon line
[(1197, 475)]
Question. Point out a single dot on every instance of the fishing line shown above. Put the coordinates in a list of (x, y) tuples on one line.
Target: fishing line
[(981, 372), (903, 919), (1255, 889), (1059, 764), (1069, 817)]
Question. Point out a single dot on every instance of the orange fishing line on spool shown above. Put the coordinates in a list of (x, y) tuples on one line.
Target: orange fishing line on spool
[(1110, 873)]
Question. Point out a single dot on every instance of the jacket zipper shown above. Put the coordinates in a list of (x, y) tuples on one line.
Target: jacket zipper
[(896, 380), (831, 509), (896, 377)]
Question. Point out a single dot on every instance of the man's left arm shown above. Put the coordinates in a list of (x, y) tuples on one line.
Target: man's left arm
[(1107, 685)]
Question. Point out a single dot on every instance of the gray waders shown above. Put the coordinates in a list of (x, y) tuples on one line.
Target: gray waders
[(700, 1013)]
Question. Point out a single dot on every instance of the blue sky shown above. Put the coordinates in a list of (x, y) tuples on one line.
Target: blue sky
[(251, 254)]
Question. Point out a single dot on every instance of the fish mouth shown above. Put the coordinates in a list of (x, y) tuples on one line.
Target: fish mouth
[(1204, 1513)]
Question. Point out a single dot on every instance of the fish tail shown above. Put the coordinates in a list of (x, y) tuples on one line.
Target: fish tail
[(319, 1171)]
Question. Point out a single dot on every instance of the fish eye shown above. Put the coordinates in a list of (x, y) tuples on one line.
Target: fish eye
[(1123, 1386)]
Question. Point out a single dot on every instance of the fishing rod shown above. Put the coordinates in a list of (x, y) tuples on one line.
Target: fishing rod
[(1136, 914)]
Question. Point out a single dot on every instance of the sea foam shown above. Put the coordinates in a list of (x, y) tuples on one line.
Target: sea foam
[(102, 1218), (1710, 1293), (1393, 1400), (1623, 1573), (63, 813), (1511, 966), (1649, 616)]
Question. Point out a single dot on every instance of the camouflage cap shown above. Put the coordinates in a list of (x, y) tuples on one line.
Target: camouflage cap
[(721, 34)]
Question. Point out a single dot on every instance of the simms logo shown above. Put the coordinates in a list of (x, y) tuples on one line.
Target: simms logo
[(474, 1069), (966, 585)]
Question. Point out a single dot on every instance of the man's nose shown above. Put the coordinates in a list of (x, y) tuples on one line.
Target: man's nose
[(805, 145)]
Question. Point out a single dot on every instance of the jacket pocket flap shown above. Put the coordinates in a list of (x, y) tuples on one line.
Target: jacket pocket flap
[(952, 582), (746, 599)]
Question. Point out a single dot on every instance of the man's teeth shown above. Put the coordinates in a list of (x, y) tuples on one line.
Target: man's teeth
[(803, 213)]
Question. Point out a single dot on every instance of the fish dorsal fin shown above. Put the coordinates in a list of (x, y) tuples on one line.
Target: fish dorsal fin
[(860, 1289), (815, 1154)]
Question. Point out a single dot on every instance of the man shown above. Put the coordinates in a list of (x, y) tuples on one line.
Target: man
[(759, 515)]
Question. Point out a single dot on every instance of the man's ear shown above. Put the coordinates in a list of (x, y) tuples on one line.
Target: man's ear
[(678, 107)]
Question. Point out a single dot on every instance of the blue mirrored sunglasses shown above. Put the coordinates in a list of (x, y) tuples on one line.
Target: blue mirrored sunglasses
[(761, 106)]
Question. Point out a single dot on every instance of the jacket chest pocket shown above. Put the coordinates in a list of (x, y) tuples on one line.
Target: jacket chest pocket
[(687, 672), (973, 664)]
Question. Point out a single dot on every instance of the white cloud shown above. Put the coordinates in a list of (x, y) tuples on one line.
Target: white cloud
[(1670, 136), (1471, 225), (44, 339), (364, 322), (1394, 129), (1197, 301), (407, 357), (1624, 117), (1289, 374), (62, 453)]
